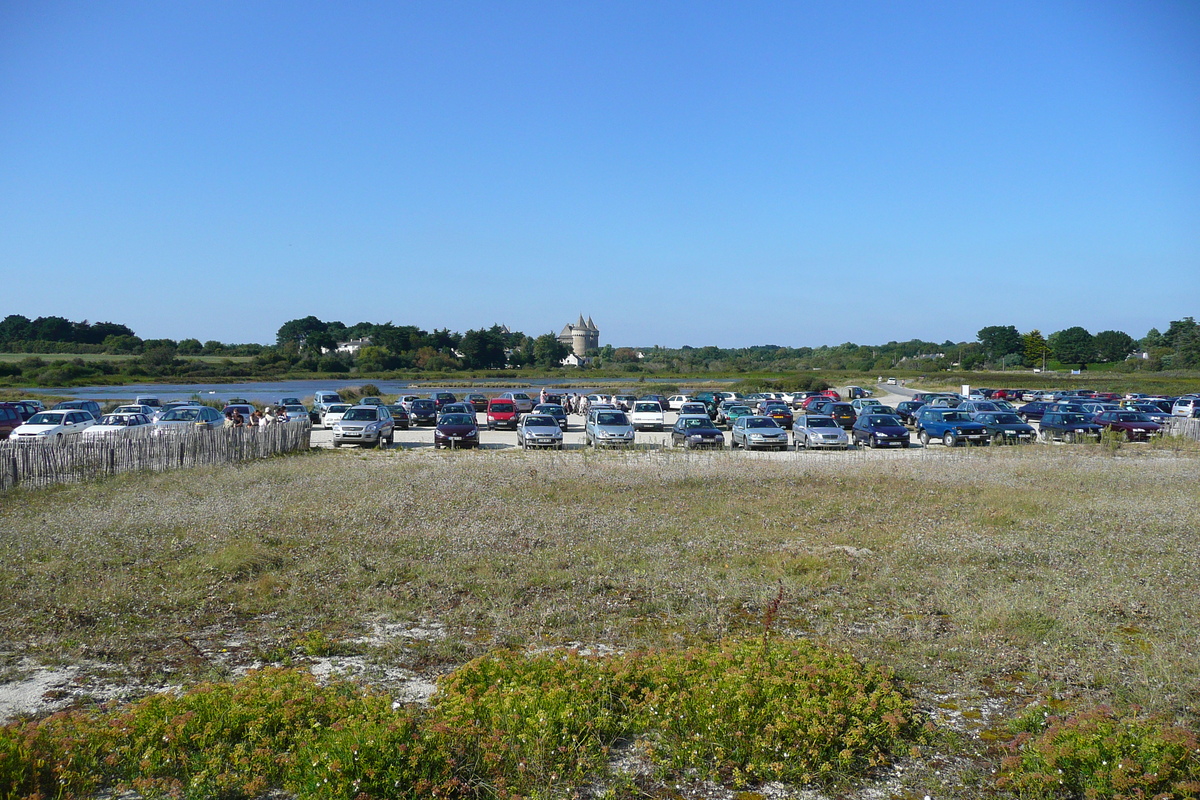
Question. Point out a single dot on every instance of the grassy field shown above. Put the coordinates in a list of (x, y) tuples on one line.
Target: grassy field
[(991, 580), (51, 357)]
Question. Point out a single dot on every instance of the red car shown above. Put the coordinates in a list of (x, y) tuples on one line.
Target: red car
[(10, 419), (502, 413), (1136, 425)]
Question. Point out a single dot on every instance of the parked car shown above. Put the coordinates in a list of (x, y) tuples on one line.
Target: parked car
[(647, 416), (906, 409), (147, 400), (729, 412), (325, 397), (1136, 426), (696, 430), (478, 401), (777, 410), (189, 417), (119, 426), (90, 406), (693, 407), (1067, 426), (607, 428), (1005, 427), (1186, 407), (950, 426), (370, 401), (975, 406), (456, 408), (422, 411), (55, 426), (539, 430), (370, 425), (842, 413), (10, 419), (522, 401), (624, 401), (860, 404), (676, 401), (333, 412), (502, 413), (657, 398), (399, 415), (456, 431), (145, 410), (443, 399), (293, 413), (555, 410), (1033, 411), (817, 430), (757, 432), (27, 408), (244, 410), (879, 430), (1152, 411)]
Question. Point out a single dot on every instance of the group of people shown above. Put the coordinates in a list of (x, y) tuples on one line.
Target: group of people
[(235, 419), (571, 402)]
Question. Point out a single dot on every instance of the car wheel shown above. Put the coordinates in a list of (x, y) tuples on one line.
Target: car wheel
[(801, 444), (905, 443), (872, 442), (924, 437), (948, 439), (336, 443)]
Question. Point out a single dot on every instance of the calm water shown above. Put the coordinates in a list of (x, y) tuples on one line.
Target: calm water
[(273, 391)]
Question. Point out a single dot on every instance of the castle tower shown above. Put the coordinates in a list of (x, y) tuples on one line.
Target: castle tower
[(580, 337)]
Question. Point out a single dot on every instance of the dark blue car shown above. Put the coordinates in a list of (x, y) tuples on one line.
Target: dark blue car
[(879, 430)]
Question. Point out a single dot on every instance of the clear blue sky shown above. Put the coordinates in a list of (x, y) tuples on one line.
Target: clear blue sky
[(793, 173)]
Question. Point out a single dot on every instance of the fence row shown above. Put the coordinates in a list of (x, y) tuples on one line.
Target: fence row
[(37, 464), (1184, 426)]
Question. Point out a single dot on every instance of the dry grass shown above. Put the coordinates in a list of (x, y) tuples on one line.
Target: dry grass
[(987, 578)]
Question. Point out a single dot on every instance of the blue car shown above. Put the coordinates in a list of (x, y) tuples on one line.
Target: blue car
[(950, 426), (879, 430)]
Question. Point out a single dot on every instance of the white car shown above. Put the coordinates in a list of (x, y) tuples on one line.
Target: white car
[(676, 401), (1186, 407), (333, 413), (53, 426), (119, 425), (143, 409), (647, 416)]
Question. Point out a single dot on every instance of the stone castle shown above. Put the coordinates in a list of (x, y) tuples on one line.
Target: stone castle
[(580, 337)]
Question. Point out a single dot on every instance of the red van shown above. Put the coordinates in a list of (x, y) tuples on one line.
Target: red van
[(502, 413)]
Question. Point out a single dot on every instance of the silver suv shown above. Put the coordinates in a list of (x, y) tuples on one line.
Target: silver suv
[(370, 425), (607, 427)]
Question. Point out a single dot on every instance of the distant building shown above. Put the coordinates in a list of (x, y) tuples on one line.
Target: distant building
[(353, 346), (573, 360), (580, 337)]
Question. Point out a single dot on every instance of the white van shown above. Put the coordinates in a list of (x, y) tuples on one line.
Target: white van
[(1186, 407), (322, 399)]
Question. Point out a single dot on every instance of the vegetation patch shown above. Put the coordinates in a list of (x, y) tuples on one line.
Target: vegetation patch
[(504, 725), (1099, 754)]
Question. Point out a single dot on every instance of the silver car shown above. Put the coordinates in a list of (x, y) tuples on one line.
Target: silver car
[(539, 430), (816, 430), (757, 432), (184, 418), (369, 425), (607, 427)]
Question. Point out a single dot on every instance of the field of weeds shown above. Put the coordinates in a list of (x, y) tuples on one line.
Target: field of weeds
[(990, 580)]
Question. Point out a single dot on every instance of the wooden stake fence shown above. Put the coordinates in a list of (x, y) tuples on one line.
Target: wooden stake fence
[(43, 464), (1184, 426)]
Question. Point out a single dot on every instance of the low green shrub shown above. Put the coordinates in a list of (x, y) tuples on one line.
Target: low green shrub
[(1101, 754), (504, 725)]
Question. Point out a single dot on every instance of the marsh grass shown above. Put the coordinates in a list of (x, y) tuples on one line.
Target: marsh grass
[(997, 576)]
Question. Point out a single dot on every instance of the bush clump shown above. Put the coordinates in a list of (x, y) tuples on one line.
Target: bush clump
[(504, 725), (1100, 754)]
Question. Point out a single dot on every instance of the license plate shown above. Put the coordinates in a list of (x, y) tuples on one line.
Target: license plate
[(456, 438), (545, 441)]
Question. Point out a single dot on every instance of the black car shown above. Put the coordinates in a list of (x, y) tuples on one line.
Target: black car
[(1068, 426), (90, 406), (479, 401), (907, 410), (1005, 427), (696, 431), (554, 410), (1035, 410), (879, 430), (441, 399), (422, 412), (656, 398), (399, 415)]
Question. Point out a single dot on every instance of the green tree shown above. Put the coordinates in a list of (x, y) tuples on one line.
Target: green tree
[(1114, 345), (548, 351), (1034, 348), (296, 331), (483, 349), (190, 347), (1074, 346), (999, 341)]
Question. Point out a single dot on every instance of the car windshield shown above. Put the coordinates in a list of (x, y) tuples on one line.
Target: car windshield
[(695, 422), (503, 408), (46, 418), (116, 419), (1074, 419), (520, 396), (956, 416), (884, 419), (359, 415), (1008, 419), (457, 419), (422, 405), (546, 408), (538, 420), (760, 422), (611, 418), (181, 415), (649, 407), (337, 408), (821, 422)]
